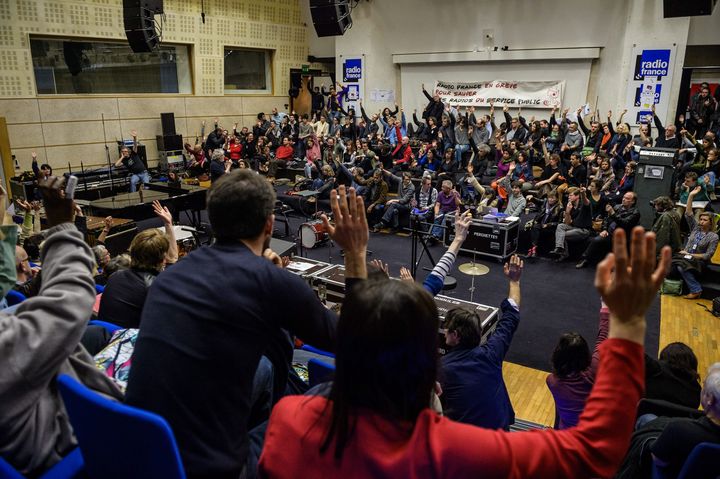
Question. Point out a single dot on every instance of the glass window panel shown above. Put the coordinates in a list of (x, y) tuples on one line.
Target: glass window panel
[(65, 66), (247, 71)]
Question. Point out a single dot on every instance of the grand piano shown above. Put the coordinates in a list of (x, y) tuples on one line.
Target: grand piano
[(138, 205)]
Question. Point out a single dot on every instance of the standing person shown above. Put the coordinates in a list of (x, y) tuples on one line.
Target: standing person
[(667, 224), (349, 433), (131, 161), (474, 391), (435, 106), (699, 249), (196, 370)]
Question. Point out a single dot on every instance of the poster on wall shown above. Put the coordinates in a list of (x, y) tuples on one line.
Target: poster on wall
[(525, 94), (650, 84), (352, 75)]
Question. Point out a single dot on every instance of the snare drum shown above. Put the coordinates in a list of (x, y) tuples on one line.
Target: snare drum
[(313, 233)]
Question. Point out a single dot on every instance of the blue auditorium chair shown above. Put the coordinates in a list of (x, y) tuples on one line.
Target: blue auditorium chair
[(119, 441), (702, 463), (319, 371), (70, 467), (14, 297), (111, 328)]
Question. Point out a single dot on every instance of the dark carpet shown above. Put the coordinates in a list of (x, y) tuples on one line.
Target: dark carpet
[(556, 297)]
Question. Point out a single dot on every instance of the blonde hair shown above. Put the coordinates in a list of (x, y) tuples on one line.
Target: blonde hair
[(148, 250)]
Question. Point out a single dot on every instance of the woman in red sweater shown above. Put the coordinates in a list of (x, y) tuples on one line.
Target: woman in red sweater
[(376, 421)]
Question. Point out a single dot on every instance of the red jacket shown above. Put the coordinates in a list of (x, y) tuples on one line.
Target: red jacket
[(438, 447), (235, 150), (284, 152)]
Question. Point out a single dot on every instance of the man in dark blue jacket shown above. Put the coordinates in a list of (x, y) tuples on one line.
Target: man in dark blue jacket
[(474, 391), (207, 322)]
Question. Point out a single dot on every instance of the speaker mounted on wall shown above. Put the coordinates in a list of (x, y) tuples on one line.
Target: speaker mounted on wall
[(141, 29), (330, 17), (688, 8)]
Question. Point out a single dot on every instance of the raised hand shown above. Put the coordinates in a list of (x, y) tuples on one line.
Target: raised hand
[(379, 264), (405, 275), (58, 209), (629, 284), (351, 229), (34, 156), (133, 133), (162, 212), (513, 268), (462, 225), (108, 222)]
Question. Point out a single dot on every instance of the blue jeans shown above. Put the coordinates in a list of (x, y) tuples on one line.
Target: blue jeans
[(459, 150), (137, 177), (688, 277), (437, 229), (644, 419)]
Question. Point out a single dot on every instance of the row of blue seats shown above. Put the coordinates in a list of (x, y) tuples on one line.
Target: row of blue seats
[(15, 297), (148, 440)]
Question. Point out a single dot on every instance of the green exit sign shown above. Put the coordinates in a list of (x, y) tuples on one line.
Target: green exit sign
[(306, 68)]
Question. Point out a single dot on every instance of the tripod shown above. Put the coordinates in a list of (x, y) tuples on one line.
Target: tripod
[(418, 236)]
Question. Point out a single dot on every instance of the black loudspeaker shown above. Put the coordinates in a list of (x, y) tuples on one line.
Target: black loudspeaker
[(330, 17), (653, 178), (169, 142), (138, 20), (687, 8), (168, 123)]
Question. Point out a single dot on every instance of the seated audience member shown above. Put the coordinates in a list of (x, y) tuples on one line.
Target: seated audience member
[(470, 373), (28, 279), (577, 173), (699, 249), (691, 183), (680, 435), (376, 191), (625, 215), (102, 258), (395, 325), (41, 339), (553, 176), (423, 202), (574, 371), (126, 291), (448, 200), (667, 224), (516, 201), (576, 224), (674, 377), (393, 207), (546, 220), (196, 354), (219, 164)]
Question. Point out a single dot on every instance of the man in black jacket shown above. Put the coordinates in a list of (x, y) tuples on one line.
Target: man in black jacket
[(197, 352), (435, 106), (625, 215), (667, 137)]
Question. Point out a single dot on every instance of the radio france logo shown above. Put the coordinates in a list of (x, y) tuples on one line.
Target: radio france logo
[(352, 70), (654, 63)]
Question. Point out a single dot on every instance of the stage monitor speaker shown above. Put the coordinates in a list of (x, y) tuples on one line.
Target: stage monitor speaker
[(168, 123), (330, 17), (169, 142), (139, 24), (687, 8), (653, 178)]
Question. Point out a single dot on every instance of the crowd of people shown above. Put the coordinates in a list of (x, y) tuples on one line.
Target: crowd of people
[(215, 360)]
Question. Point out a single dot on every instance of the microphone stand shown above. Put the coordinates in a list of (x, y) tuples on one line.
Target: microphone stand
[(107, 156)]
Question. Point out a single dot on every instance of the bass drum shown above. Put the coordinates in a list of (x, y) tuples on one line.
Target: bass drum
[(313, 234)]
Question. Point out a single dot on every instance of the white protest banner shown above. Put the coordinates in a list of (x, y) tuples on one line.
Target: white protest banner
[(526, 94)]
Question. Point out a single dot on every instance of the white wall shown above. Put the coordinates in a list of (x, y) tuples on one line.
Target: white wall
[(382, 28), (705, 30)]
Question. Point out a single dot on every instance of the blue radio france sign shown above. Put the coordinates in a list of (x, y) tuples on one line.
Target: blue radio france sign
[(654, 63), (352, 70)]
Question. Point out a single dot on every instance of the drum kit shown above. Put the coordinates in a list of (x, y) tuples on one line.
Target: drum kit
[(313, 233)]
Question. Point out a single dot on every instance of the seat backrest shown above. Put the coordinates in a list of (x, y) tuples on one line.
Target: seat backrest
[(15, 297), (319, 371), (703, 462), (7, 471), (111, 328), (119, 441)]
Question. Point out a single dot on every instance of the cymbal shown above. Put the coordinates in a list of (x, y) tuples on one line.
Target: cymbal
[(474, 269)]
